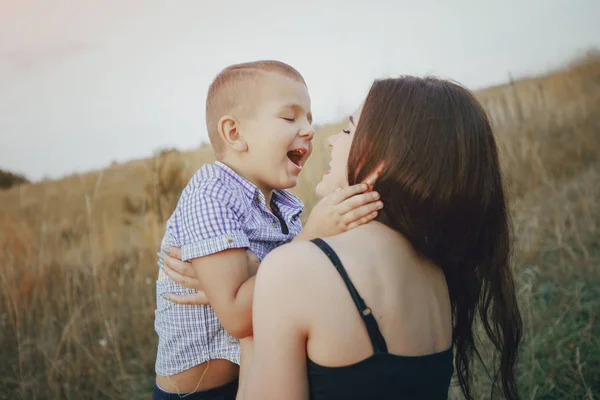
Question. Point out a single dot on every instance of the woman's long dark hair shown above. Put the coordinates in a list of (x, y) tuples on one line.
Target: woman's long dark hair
[(442, 189)]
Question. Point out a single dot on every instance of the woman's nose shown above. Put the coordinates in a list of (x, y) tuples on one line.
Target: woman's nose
[(332, 139)]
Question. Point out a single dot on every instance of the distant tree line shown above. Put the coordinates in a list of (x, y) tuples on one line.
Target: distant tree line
[(9, 179)]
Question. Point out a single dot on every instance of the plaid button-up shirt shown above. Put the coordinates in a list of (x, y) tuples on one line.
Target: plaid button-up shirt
[(218, 210)]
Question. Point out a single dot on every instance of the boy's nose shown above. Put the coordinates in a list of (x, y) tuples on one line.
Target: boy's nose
[(308, 133)]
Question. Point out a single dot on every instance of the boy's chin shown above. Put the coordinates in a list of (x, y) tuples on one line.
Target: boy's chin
[(293, 183), (288, 183)]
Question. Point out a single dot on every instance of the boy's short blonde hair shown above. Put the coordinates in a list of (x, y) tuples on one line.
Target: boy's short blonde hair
[(229, 90)]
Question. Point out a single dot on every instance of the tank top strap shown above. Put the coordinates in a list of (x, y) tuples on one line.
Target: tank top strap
[(377, 339)]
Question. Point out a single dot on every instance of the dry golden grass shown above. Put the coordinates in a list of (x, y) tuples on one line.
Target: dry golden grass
[(78, 254)]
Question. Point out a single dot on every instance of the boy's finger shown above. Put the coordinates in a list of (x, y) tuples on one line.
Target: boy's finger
[(357, 201), (358, 214), (340, 195), (363, 220), (199, 298), (372, 177)]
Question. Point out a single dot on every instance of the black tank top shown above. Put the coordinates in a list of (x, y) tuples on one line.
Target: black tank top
[(382, 375)]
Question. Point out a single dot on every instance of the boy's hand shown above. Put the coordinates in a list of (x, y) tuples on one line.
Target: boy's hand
[(342, 210), (184, 274)]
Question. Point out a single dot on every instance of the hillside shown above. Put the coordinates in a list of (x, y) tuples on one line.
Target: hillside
[(78, 254)]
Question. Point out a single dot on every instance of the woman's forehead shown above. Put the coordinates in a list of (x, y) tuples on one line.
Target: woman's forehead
[(355, 116)]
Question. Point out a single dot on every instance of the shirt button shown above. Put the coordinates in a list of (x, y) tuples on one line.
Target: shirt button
[(274, 224), (228, 239)]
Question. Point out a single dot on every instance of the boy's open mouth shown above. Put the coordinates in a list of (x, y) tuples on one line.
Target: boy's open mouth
[(296, 156)]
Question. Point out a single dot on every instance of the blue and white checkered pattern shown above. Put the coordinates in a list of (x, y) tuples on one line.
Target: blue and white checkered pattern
[(218, 210)]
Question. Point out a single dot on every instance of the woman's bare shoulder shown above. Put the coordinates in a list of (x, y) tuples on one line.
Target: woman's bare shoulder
[(294, 255), (287, 274)]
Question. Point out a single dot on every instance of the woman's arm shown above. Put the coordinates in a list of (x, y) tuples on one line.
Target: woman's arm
[(277, 369)]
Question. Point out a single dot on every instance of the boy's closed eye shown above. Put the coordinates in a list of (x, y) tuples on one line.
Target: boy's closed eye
[(292, 112)]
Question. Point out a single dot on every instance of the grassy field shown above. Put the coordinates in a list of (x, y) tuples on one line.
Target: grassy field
[(78, 260)]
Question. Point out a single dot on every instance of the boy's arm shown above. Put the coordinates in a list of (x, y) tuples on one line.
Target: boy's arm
[(183, 273), (229, 286), (212, 237)]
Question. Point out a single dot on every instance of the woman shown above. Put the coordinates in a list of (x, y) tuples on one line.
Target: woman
[(384, 310)]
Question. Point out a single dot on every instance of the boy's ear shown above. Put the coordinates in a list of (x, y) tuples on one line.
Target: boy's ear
[(374, 175), (228, 128)]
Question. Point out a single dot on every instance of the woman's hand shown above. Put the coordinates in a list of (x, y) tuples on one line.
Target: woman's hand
[(184, 274)]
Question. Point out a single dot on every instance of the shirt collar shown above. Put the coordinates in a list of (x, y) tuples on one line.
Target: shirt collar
[(283, 199), (250, 189)]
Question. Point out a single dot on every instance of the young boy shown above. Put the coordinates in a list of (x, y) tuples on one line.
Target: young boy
[(258, 116)]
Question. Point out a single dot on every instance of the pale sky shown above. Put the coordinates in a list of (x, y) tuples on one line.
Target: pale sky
[(87, 82)]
